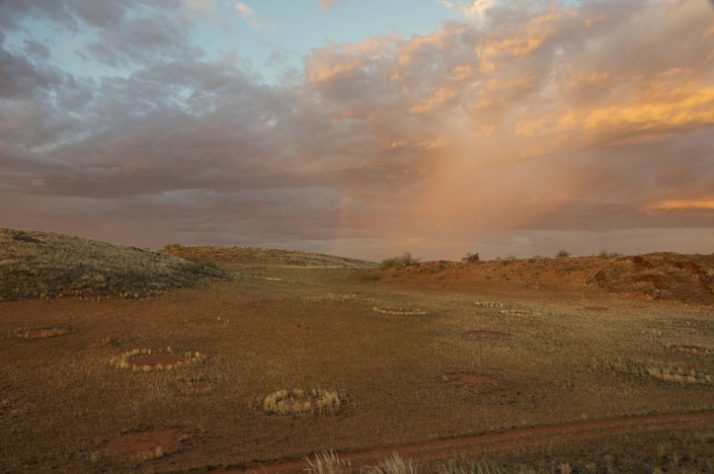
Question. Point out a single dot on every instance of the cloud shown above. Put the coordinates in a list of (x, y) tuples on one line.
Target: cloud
[(539, 126), (475, 9), (248, 14)]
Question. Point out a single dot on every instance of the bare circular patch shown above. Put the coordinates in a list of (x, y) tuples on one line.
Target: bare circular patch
[(302, 327), (43, 333), (399, 311), (146, 445), (164, 359), (695, 350), (300, 402), (472, 380), (484, 334)]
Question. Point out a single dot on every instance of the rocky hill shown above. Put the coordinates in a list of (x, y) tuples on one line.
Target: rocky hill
[(688, 278), (48, 265)]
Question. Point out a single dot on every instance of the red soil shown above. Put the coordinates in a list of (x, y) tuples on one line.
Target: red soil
[(600, 309), (147, 444), (508, 440)]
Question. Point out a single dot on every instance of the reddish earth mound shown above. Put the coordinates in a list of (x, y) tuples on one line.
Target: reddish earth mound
[(483, 334), (696, 350), (472, 380), (146, 444), (688, 278)]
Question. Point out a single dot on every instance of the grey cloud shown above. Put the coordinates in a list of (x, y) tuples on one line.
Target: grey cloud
[(36, 49), (21, 78)]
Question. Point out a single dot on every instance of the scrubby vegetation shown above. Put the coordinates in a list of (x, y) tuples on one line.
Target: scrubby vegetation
[(472, 258), (404, 260), (562, 254), (46, 265)]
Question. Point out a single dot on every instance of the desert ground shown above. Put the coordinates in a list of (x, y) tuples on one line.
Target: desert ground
[(537, 365)]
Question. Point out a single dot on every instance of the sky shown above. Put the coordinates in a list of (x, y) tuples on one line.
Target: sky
[(362, 128)]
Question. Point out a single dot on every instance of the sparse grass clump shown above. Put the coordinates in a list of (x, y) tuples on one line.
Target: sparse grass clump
[(393, 464), (147, 360), (328, 463), (398, 262), (606, 254), (300, 402), (399, 311), (470, 466), (661, 372)]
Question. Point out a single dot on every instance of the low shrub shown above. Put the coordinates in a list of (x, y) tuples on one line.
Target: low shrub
[(397, 262)]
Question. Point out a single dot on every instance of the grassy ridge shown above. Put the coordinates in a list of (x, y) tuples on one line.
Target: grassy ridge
[(47, 265)]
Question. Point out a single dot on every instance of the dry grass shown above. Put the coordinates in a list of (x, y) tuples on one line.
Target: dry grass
[(299, 402), (399, 311), (659, 371), (328, 463), (393, 464)]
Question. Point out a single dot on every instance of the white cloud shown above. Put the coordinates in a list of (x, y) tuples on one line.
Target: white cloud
[(477, 9), (248, 14)]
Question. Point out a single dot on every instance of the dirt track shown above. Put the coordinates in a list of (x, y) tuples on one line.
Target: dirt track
[(509, 440)]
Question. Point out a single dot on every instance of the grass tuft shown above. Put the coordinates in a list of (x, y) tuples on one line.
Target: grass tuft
[(393, 464), (328, 463)]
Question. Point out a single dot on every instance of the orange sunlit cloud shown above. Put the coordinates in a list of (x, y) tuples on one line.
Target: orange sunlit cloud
[(683, 204)]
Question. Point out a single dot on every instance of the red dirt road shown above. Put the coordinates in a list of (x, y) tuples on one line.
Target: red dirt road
[(507, 440)]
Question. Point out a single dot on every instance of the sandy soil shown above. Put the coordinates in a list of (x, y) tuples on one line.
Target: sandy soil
[(576, 355)]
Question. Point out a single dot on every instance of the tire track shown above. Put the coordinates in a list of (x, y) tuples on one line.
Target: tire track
[(505, 440)]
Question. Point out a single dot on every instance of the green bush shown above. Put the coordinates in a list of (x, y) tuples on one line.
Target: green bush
[(397, 262), (562, 254), (472, 258)]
